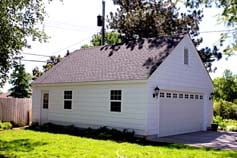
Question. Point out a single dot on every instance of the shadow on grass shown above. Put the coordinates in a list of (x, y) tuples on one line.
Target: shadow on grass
[(118, 136), (19, 145)]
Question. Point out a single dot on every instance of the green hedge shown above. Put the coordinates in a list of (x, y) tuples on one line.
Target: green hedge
[(225, 109), (225, 124), (5, 125)]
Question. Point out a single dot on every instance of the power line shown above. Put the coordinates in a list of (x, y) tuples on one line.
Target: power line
[(40, 61), (63, 28), (63, 23), (36, 54), (70, 45), (214, 31)]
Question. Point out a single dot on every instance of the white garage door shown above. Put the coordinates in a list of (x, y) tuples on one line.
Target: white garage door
[(180, 113)]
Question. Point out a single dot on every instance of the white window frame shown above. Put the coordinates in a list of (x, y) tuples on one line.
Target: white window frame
[(67, 99), (116, 100)]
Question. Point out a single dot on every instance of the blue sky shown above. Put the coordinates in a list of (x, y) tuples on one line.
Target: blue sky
[(71, 24)]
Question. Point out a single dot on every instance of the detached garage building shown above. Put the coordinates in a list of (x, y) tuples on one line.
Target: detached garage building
[(153, 86)]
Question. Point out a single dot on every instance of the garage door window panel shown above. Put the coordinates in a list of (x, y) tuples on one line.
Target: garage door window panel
[(201, 96), (196, 96), (162, 95), (175, 95), (168, 95), (186, 96)]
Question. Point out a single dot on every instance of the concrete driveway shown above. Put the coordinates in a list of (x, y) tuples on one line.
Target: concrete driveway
[(218, 140)]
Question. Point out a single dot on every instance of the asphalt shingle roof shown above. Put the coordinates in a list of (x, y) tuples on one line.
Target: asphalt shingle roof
[(130, 61)]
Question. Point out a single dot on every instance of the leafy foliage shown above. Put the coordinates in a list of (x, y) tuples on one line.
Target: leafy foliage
[(228, 17), (225, 109), (19, 20), (100, 133), (225, 95), (225, 124), (53, 60), (110, 38), (21, 82), (226, 87), (136, 19), (5, 125)]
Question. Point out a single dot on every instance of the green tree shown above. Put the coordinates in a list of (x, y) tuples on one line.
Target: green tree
[(21, 82), (228, 16), (86, 46), (226, 87), (110, 38), (36, 73), (225, 109), (53, 60), (19, 21), (137, 19)]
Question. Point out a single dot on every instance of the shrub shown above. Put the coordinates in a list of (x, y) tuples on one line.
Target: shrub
[(225, 109), (231, 128), (100, 133), (218, 120), (19, 124), (5, 125), (225, 124), (235, 101)]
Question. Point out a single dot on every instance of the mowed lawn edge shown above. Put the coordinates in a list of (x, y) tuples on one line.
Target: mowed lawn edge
[(28, 143)]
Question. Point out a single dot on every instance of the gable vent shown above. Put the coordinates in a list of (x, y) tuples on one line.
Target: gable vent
[(185, 56)]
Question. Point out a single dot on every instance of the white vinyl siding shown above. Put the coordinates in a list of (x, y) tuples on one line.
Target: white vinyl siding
[(174, 75), (91, 106)]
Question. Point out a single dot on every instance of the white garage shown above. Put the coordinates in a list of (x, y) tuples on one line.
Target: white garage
[(155, 87), (180, 112)]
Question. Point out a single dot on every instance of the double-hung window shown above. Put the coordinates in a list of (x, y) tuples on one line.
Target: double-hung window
[(67, 99), (115, 100)]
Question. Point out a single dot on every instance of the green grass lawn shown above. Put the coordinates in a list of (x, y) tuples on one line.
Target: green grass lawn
[(28, 143)]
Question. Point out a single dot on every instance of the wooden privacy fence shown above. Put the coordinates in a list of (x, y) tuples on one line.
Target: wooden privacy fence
[(17, 110)]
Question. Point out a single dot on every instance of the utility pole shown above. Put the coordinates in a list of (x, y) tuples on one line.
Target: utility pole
[(103, 23)]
